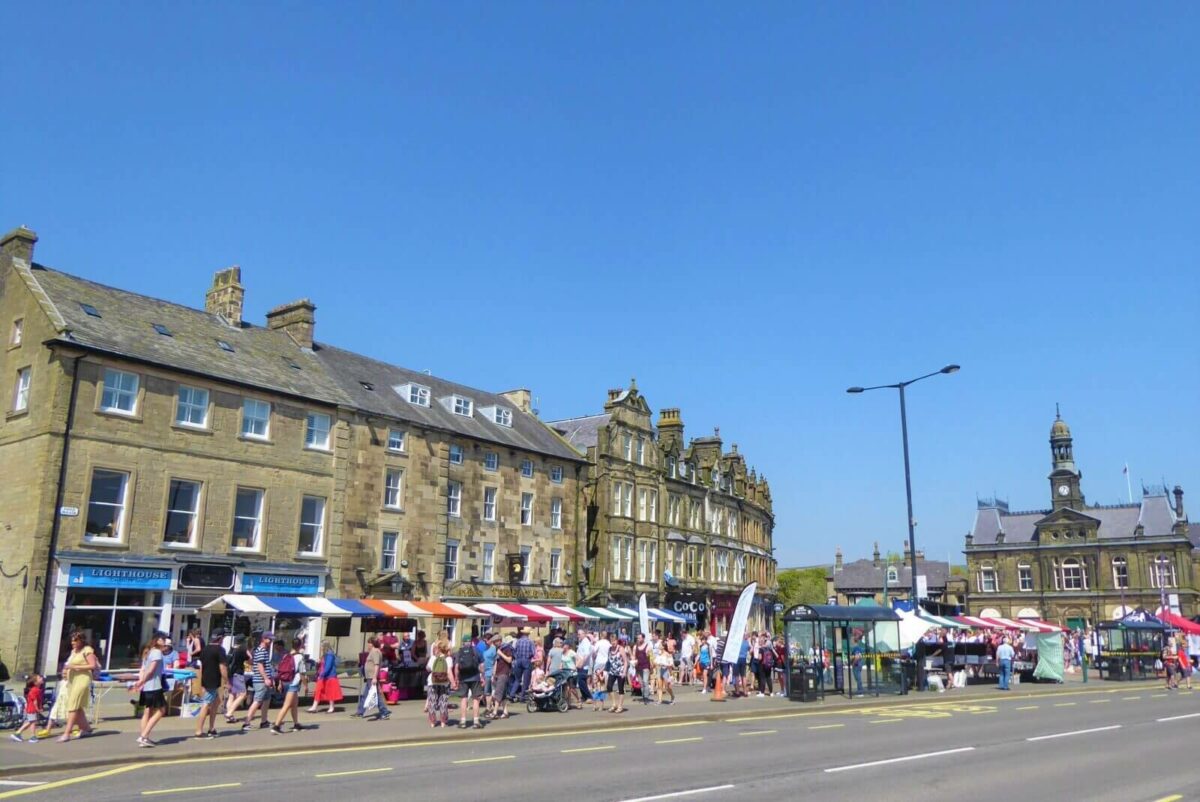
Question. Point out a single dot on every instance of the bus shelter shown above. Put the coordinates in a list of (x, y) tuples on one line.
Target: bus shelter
[(854, 651), (1129, 647)]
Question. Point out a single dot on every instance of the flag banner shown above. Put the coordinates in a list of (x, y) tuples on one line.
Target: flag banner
[(737, 625), (643, 615)]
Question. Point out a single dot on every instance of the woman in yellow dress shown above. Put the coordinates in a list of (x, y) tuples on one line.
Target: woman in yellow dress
[(77, 674)]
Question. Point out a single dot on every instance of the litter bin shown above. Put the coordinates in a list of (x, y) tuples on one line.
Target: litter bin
[(802, 683)]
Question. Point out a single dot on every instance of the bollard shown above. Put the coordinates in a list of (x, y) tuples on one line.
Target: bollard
[(718, 694), (1084, 662)]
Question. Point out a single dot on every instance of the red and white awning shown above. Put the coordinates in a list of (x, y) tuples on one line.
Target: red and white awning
[(1026, 624)]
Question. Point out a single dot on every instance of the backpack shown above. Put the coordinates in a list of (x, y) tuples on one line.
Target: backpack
[(287, 669), (439, 675), (468, 662), (767, 658)]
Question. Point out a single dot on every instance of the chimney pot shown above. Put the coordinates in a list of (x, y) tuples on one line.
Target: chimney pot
[(226, 295), (296, 319), (18, 243)]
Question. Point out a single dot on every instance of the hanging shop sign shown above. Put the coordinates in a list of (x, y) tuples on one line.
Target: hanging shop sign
[(686, 604), (282, 584), (206, 575), (119, 576)]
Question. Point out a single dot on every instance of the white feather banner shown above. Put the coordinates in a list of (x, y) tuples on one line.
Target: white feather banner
[(737, 625), (643, 616)]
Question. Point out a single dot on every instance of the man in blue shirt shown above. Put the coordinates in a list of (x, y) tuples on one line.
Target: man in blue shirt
[(523, 651), (1004, 655)]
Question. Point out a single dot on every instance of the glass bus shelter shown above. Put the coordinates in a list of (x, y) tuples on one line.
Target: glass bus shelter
[(854, 651), (1130, 647)]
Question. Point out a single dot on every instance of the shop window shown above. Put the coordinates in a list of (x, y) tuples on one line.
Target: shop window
[(115, 622)]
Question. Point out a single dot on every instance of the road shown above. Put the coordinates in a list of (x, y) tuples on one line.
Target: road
[(1111, 744)]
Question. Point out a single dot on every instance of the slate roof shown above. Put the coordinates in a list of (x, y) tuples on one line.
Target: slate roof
[(270, 360), (582, 433), (350, 370), (864, 575), (261, 357), (1154, 513)]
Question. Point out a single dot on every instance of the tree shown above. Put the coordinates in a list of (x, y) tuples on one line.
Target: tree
[(800, 586)]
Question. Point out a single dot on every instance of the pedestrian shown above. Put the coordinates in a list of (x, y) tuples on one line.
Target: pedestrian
[(857, 653), (617, 668), (500, 676), (704, 661), (149, 687), (439, 684), (687, 656), (569, 668), (600, 651), (583, 664), (1170, 661), (523, 654), (190, 654), (290, 674), (468, 683), (262, 674), (599, 680), (371, 668), (641, 665), (214, 675), (328, 690), (239, 678), (491, 646), (780, 667), (77, 673), (34, 698), (1004, 656), (766, 665), (664, 662)]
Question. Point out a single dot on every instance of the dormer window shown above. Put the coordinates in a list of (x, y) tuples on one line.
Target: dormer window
[(502, 416), (417, 394), (461, 405), (893, 576)]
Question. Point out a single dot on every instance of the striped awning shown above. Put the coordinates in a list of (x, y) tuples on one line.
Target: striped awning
[(1026, 624), (519, 612), (307, 606), (422, 609), (604, 613), (653, 613), (939, 621), (573, 613)]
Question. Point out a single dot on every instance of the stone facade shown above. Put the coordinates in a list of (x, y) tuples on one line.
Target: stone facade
[(672, 519), (141, 438), (1073, 562), (881, 579)]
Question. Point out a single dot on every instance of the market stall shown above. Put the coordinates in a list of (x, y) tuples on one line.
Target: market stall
[(1130, 647)]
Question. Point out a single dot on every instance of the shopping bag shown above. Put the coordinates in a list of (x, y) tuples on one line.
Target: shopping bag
[(372, 698)]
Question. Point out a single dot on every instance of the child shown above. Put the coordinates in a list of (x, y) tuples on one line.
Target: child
[(599, 692), (33, 708), (537, 680)]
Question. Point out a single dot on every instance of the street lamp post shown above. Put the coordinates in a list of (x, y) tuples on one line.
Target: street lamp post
[(912, 545)]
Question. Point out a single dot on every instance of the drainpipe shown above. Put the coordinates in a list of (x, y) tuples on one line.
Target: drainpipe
[(59, 494)]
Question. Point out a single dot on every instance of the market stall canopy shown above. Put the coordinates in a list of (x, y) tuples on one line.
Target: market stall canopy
[(1179, 622), (654, 613), (422, 609), (940, 621), (518, 612), (603, 613), (835, 612), (308, 606), (1026, 624), (1138, 619)]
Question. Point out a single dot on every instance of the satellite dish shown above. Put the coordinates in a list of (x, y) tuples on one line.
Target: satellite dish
[(670, 579)]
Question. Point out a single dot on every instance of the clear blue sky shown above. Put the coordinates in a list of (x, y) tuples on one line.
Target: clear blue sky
[(748, 209)]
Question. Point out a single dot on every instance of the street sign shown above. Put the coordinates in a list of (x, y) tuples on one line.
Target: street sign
[(68, 512), (922, 586)]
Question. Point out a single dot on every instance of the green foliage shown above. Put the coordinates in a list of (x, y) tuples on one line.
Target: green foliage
[(801, 586), (958, 570)]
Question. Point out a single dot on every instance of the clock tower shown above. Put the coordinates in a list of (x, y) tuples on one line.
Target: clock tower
[(1064, 476)]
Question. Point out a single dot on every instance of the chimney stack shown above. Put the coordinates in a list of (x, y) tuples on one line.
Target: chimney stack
[(523, 399), (1179, 503), (876, 553), (18, 244), (226, 295), (296, 319), (837, 560)]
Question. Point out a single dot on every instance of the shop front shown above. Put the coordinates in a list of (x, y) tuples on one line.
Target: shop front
[(692, 607)]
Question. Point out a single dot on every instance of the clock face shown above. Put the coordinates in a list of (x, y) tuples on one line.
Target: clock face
[(1063, 490)]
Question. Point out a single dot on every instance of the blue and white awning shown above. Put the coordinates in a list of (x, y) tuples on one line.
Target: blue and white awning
[(307, 606), (655, 614)]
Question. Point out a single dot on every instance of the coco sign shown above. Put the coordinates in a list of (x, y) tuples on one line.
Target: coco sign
[(687, 605)]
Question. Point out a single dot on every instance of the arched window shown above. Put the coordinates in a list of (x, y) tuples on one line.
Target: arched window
[(1162, 572), (893, 576), (1120, 572), (1074, 576)]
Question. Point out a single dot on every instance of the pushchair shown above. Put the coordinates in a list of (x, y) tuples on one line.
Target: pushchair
[(546, 701)]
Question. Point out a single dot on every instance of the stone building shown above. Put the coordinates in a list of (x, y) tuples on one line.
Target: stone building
[(879, 580), (684, 522), (157, 456), (1073, 562)]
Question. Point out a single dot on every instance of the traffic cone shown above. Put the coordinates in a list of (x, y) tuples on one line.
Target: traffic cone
[(718, 694)]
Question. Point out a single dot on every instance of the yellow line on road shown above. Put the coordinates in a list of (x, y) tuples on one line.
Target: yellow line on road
[(826, 726), (351, 773), (587, 749), (33, 789), (1027, 707), (190, 788), (483, 759), (759, 732), (884, 721), (1064, 704), (681, 740), (1174, 798), (982, 712)]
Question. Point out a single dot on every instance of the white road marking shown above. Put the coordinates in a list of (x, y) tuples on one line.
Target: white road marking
[(350, 773), (1074, 732), (679, 793), (1177, 718), (19, 782), (921, 756)]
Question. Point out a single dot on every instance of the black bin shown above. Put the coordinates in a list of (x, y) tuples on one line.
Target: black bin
[(802, 684)]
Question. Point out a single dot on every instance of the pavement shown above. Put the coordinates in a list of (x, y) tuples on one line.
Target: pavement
[(114, 740)]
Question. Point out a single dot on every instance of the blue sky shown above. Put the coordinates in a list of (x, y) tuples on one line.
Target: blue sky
[(749, 208)]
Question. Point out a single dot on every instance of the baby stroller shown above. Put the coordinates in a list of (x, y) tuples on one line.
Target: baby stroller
[(548, 700)]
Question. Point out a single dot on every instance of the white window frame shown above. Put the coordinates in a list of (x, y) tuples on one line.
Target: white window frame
[(418, 394), (115, 392), (643, 496), (527, 561), (457, 454), (387, 556), (628, 441), (641, 450), (317, 528), (556, 474), (695, 515), (643, 558), (489, 503), (556, 513), (21, 389), (1073, 565), (673, 503), (454, 499), (527, 509), (671, 467), (502, 416), (739, 568), (988, 581), (393, 488), (396, 440), (491, 461), (256, 536), (18, 332), (192, 514), (316, 438), (1024, 577), (555, 566), (722, 558), (251, 417), (1120, 580), (527, 468), (462, 406), (731, 524), (1162, 571), (653, 511), (122, 507), (188, 401), (450, 562), (489, 562)]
